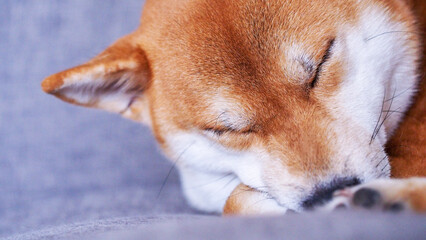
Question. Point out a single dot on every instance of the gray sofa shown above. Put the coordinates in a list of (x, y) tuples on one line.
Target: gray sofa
[(73, 173)]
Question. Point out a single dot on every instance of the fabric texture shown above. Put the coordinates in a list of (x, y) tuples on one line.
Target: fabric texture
[(72, 173)]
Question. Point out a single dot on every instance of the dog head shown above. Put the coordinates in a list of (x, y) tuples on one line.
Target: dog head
[(293, 97)]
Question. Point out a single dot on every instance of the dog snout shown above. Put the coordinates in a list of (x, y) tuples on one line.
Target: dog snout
[(324, 192)]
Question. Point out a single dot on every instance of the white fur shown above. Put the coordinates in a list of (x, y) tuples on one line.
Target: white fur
[(376, 66), (206, 190), (201, 161), (81, 87), (227, 113)]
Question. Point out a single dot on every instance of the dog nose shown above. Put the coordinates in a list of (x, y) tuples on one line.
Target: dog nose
[(324, 192)]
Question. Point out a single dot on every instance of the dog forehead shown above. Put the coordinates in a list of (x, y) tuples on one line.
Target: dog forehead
[(248, 31), (239, 40), (240, 47)]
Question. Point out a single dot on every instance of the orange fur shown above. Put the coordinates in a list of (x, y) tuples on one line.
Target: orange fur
[(407, 148), (237, 200), (208, 51)]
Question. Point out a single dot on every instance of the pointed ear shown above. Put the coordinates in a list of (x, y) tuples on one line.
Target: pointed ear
[(114, 81)]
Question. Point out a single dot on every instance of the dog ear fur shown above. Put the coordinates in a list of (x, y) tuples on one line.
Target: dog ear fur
[(113, 81)]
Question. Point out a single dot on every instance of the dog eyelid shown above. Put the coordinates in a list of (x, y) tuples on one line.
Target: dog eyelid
[(324, 59), (218, 131)]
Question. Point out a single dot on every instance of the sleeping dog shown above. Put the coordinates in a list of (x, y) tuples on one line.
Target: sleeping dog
[(269, 106)]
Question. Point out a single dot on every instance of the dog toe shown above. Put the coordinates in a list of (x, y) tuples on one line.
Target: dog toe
[(366, 198)]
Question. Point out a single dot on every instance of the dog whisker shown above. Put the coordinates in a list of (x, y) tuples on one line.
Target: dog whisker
[(394, 111), (387, 164), (385, 33), (378, 120), (262, 200), (173, 167), (387, 115), (383, 159), (399, 94), (214, 181)]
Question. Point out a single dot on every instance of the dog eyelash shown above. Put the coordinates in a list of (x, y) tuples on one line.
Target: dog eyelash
[(324, 59), (220, 132), (217, 132)]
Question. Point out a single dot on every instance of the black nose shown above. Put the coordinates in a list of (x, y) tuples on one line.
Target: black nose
[(324, 192)]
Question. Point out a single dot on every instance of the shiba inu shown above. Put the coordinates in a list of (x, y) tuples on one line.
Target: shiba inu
[(267, 106)]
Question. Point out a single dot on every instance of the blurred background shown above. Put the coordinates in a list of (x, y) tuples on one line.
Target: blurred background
[(61, 163)]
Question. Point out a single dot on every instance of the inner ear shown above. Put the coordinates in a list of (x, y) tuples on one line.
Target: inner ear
[(111, 81)]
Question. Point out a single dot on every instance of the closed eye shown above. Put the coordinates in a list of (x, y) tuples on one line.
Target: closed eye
[(324, 59), (220, 131), (217, 131)]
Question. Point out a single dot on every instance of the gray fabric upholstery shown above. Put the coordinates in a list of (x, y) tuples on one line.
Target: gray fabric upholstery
[(70, 173), (340, 225), (60, 163)]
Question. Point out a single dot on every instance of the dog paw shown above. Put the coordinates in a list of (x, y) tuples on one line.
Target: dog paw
[(393, 195), (247, 201)]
